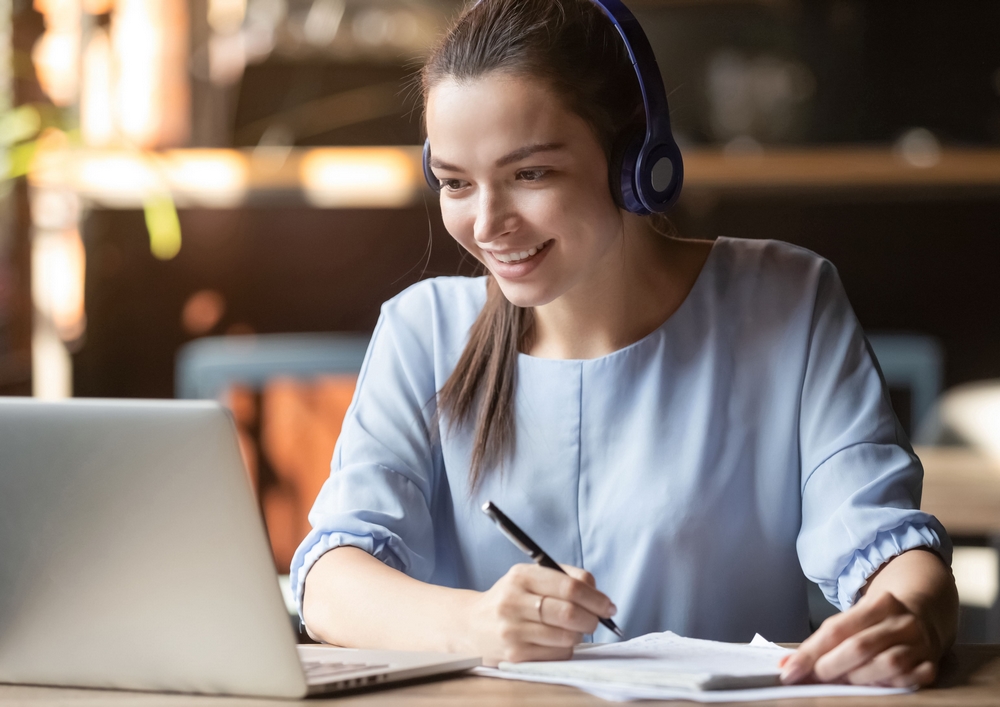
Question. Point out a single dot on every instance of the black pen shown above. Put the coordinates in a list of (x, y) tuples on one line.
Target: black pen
[(528, 546)]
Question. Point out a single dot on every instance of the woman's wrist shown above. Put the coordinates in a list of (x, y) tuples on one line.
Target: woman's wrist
[(920, 581), (459, 622)]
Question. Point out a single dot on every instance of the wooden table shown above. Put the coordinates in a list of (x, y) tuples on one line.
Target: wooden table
[(970, 677)]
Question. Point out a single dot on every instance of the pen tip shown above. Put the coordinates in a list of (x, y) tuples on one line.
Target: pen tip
[(618, 632)]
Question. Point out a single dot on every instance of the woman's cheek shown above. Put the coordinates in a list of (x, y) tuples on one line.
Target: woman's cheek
[(460, 226)]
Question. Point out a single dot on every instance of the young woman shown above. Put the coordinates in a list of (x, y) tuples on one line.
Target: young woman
[(694, 428)]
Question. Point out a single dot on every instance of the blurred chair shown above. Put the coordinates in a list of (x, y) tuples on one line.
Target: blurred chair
[(914, 363), (207, 367), (288, 395)]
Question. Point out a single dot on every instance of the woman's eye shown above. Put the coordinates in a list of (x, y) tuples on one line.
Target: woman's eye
[(451, 184), (531, 175)]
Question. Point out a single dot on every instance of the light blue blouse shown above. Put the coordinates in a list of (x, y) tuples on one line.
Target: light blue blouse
[(700, 474)]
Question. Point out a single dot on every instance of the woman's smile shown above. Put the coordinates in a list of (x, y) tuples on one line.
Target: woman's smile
[(514, 264)]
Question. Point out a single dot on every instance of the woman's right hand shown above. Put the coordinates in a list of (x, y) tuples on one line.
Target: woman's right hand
[(535, 613)]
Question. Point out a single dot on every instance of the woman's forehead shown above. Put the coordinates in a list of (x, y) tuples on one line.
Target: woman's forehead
[(489, 116)]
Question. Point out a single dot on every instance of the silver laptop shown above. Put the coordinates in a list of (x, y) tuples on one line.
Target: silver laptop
[(132, 555)]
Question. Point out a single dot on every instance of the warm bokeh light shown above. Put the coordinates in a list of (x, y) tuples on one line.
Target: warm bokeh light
[(51, 365), (98, 7), (119, 178), (97, 118), (56, 60), (202, 312), (56, 54), (226, 16), (131, 178), (150, 43), (216, 178), (58, 266), (360, 177)]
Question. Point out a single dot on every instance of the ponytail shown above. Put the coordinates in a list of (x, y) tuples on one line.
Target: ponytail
[(483, 383)]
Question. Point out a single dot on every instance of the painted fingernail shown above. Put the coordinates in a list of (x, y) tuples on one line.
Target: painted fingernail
[(793, 671)]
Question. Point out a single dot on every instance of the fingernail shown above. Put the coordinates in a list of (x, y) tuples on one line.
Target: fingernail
[(784, 659), (793, 672), (613, 611)]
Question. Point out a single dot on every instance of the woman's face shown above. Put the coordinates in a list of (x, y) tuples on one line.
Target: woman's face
[(524, 185)]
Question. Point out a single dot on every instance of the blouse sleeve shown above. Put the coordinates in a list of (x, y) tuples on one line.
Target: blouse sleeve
[(378, 495), (860, 479)]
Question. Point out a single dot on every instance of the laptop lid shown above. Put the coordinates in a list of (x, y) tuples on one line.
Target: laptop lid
[(132, 553)]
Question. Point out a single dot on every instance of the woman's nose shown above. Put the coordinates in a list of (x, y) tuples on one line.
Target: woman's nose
[(496, 216)]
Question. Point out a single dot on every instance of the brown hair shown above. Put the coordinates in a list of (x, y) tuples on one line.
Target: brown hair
[(572, 46)]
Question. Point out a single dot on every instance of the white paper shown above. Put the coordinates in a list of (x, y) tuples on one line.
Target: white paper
[(666, 660), (657, 666)]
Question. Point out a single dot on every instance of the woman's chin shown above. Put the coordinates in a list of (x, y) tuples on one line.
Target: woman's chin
[(525, 295)]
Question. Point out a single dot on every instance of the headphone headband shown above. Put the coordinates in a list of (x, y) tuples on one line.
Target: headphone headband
[(652, 170)]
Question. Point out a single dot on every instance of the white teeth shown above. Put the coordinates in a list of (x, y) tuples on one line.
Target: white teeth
[(517, 257)]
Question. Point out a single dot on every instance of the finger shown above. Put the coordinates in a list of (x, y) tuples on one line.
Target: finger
[(552, 636), (529, 651), (566, 615), (547, 582), (892, 663), (866, 645), (581, 574), (835, 631), (924, 674), (921, 676)]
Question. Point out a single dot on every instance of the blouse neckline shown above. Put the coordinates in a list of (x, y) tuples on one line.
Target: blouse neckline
[(708, 264)]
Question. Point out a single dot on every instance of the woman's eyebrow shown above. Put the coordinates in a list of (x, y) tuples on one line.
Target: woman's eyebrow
[(510, 158), (523, 152), (438, 164)]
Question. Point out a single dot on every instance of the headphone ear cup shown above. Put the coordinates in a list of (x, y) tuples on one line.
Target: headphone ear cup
[(615, 160), (621, 171), (432, 181)]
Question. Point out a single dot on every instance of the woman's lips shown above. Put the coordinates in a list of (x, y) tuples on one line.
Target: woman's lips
[(519, 268)]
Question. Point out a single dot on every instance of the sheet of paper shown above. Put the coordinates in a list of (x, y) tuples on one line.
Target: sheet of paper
[(667, 660), (669, 653)]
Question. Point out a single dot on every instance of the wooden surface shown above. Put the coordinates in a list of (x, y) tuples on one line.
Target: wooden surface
[(970, 677), (961, 489), (837, 168)]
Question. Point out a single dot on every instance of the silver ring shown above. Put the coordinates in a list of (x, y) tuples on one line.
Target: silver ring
[(538, 606)]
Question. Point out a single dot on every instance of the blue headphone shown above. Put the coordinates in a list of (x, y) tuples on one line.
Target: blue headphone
[(651, 171)]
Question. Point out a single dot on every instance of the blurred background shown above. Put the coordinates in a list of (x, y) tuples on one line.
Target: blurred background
[(211, 198)]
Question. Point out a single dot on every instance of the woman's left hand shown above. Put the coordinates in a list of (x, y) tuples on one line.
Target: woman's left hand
[(878, 641)]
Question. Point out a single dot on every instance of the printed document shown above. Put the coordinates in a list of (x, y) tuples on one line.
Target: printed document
[(668, 666)]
